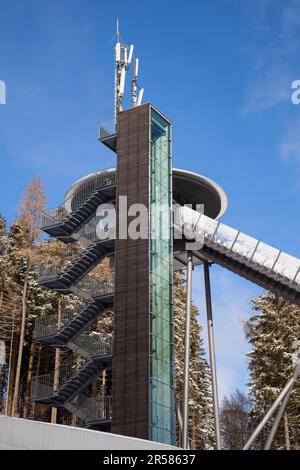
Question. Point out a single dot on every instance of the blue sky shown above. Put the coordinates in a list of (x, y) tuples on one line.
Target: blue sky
[(220, 69)]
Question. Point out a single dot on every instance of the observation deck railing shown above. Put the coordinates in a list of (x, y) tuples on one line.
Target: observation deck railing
[(107, 129)]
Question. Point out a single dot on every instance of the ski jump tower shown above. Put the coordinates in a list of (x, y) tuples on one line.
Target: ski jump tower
[(139, 287)]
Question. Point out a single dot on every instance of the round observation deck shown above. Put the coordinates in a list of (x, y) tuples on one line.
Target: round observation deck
[(188, 188)]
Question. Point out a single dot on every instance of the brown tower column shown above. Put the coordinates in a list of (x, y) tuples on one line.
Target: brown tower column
[(131, 312)]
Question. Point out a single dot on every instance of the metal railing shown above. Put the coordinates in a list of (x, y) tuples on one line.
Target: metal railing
[(239, 245), (47, 326), (90, 346), (100, 180), (84, 344), (99, 228), (91, 408), (50, 268), (46, 271), (41, 387), (94, 286), (45, 386), (107, 129)]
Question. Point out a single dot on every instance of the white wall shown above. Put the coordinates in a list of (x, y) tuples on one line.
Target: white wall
[(16, 433)]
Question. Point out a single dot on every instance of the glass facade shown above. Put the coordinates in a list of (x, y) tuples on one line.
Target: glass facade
[(161, 282)]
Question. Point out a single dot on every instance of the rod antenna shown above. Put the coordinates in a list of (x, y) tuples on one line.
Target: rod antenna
[(124, 58)]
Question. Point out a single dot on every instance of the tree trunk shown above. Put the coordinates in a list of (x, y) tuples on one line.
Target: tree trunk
[(193, 443), (56, 364), (10, 369), (33, 409), (28, 381), (286, 432), (74, 417), (21, 346), (2, 360)]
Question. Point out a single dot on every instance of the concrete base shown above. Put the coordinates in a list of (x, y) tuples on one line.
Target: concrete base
[(18, 434)]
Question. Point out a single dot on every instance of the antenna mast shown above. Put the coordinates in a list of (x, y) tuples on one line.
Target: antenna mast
[(123, 60)]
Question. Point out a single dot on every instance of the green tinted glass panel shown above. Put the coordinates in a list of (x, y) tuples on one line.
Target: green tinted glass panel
[(161, 278)]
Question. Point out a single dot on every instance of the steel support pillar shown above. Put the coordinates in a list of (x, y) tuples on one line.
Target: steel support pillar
[(285, 391), (277, 420), (212, 356)]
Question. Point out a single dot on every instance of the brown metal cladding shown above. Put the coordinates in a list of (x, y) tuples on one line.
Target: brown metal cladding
[(131, 312)]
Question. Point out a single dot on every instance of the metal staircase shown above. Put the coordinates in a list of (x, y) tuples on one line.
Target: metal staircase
[(75, 222), (73, 376), (63, 221), (47, 331), (63, 282), (252, 259)]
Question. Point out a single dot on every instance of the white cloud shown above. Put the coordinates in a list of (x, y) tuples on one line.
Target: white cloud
[(269, 89), (290, 143), (275, 47), (231, 309)]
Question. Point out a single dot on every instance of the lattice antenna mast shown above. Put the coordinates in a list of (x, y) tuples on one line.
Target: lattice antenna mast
[(123, 60)]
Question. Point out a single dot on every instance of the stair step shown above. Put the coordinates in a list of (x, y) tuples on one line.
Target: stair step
[(84, 209), (77, 217), (71, 222), (82, 262), (90, 204), (78, 320)]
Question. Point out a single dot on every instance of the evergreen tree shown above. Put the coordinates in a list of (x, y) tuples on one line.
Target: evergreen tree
[(24, 233), (274, 333)]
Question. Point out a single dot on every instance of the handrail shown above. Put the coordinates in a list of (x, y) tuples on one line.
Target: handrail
[(92, 287), (91, 345), (105, 178), (47, 326), (91, 408), (238, 244), (93, 232), (42, 386), (107, 128)]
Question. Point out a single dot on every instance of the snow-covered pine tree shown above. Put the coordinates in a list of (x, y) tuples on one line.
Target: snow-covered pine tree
[(3, 325), (201, 421), (10, 307), (274, 333)]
